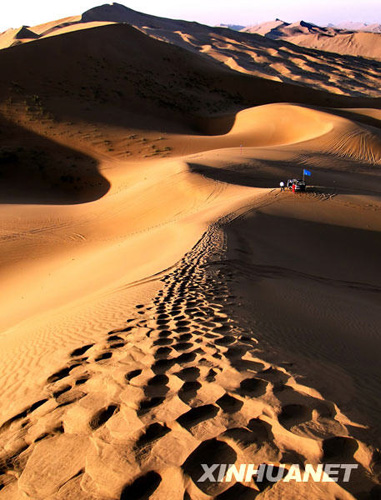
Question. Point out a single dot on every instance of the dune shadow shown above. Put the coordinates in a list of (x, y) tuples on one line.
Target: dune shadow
[(165, 86), (234, 176), (36, 170), (266, 173)]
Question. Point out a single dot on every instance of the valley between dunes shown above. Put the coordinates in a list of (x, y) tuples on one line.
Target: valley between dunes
[(164, 304)]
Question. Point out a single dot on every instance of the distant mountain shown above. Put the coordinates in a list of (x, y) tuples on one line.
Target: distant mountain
[(235, 27), (281, 29), (363, 42), (271, 29), (356, 26)]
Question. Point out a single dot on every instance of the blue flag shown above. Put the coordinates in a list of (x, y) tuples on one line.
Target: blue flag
[(306, 172)]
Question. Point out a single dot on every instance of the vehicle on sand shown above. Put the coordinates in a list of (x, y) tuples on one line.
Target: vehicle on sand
[(300, 184)]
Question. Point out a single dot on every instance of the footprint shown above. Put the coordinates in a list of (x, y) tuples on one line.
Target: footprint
[(162, 352), (105, 355), (236, 352), (294, 414), (240, 435), (82, 380), (163, 316), (164, 333), (186, 357), (244, 365), (148, 404), (142, 488), (64, 372), (226, 340), (80, 350), (132, 374), (114, 338), (253, 387), (275, 376), (62, 390), (162, 365), (117, 345), (188, 391), (340, 448), (188, 374), (222, 329), (182, 329), (182, 323), (229, 404), (153, 432), (68, 398), (261, 430), (164, 341), (183, 346), (209, 452), (211, 377), (184, 337), (101, 417), (156, 386), (197, 415), (163, 321), (23, 414)]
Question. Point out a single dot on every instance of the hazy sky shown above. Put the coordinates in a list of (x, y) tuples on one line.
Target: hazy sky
[(14, 13)]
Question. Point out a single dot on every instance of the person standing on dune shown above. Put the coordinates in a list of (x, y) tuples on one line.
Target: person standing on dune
[(281, 184)]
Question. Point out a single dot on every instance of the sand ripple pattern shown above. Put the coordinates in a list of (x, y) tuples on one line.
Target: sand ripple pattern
[(182, 383)]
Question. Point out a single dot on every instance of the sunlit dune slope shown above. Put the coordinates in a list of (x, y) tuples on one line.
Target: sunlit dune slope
[(245, 52), (355, 44), (125, 95), (280, 138), (116, 68)]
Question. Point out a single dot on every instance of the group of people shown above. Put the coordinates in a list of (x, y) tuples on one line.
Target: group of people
[(296, 185)]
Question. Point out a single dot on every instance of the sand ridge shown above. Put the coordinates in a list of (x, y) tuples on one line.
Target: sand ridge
[(331, 39), (249, 53)]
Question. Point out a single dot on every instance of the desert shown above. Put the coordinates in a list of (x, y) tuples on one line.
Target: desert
[(165, 305)]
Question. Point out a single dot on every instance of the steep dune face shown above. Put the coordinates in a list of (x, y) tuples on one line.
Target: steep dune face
[(14, 37), (35, 169)]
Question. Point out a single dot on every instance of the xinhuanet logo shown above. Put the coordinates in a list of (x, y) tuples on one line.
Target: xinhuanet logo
[(326, 473)]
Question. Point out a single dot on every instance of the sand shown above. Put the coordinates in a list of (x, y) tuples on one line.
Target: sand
[(352, 40), (299, 53), (164, 305)]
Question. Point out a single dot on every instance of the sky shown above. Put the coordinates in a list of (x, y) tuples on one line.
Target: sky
[(15, 13)]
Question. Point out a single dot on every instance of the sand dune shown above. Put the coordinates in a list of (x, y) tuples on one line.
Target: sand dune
[(248, 53), (354, 44), (164, 305), (332, 39)]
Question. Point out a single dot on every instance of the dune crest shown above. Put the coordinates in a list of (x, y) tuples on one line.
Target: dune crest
[(347, 39), (270, 56)]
